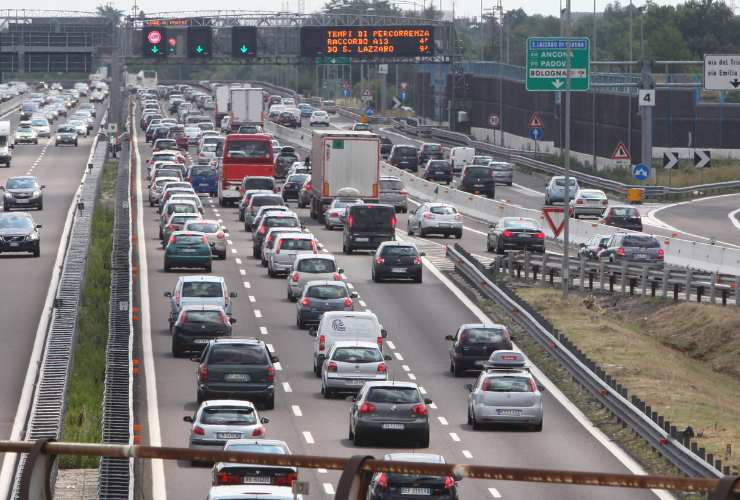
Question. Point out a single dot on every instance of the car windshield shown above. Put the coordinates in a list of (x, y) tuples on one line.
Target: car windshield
[(15, 222), (21, 184), (439, 164), (432, 147), (211, 317), (189, 239), (226, 354), (39, 123), (561, 181), (228, 416), (326, 292), (357, 355), (316, 266), (391, 185), (66, 130), (164, 157), (202, 289), (258, 448), (209, 148), (521, 224), (502, 167), (481, 335), (281, 222), (394, 395), (23, 128), (264, 183), (203, 227), (624, 212), (248, 149), (296, 244), (640, 241), (202, 171), (592, 195), (479, 171), (298, 178), (507, 384), (399, 251), (166, 144), (482, 160), (443, 210)]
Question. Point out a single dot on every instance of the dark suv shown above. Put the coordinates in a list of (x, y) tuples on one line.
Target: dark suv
[(633, 248), (236, 369), (472, 345), (430, 151), (385, 147), (387, 486), (404, 156), (196, 325), (394, 260), (478, 179), (623, 217), (367, 226)]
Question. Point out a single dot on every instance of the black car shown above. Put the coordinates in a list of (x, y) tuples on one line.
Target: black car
[(293, 185), (515, 233), (367, 226), (397, 260), (66, 135), (430, 151), (404, 156), (236, 369), (22, 191), (385, 147), (284, 161), (197, 325), (392, 485), (19, 233), (287, 119), (437, 171), (591, 249), (477, 179), (472, 345), (623, 217)]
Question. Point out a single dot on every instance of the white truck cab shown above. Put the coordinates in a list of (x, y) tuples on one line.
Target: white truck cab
[(7, 143)]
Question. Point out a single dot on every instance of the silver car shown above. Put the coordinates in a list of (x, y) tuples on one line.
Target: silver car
[(199, 289), (287, 247), (268, 243), (214, 231), (435, 218), (334, 215), (156, 188), (217, 421), (310, 267), (503, 172), (555, 190), (393, 193), (350, 364), (505, 393), (589, 202), (188, 197)]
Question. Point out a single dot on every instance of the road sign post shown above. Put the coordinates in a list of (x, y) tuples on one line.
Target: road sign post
[(548, 66)]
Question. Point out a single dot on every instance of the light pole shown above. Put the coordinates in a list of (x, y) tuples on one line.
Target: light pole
[(593, 95), (629, 112), (565, 274)]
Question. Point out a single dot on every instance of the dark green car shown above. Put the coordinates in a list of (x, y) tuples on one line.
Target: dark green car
[(187, 249)]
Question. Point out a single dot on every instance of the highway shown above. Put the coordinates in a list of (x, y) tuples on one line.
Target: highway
[(417, 318), (25, 278)]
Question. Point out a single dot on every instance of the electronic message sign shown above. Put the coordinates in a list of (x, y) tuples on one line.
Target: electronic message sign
[(367, 41)]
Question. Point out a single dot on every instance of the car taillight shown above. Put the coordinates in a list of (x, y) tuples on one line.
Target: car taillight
[(262, 230), (171, 227), (449, 483), (428, 216), (380, 342), (620, 251), (205, 239), (295, 277), (199, 431), (322, 342), (417, 261), (333, 215), (507, 234), (532, 386), (420, 410), (393, 221), (172, 240), (347, 302), (305, 302), (379, 260), (486, 385), (661, 253), (350, 221), (258, 431), (203, 373), (308, 186), (579, 202), (190, 179), (605, 202), (366, 408), (540, 235), (270, 373), (381, 368), (220, 235), (225, 478), (382, 481), (331, 366)]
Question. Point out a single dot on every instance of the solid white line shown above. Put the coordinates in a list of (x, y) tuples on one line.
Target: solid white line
[(308, 437), (390, 344), (263, 330), (455, 437), (257, 313), (732, 215), (286, 387), (398, 356), (443, 421), (328, 488), (467, 454), (494, 492)]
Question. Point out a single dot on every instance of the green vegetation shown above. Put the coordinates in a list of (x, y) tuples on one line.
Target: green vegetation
[(85, 394)]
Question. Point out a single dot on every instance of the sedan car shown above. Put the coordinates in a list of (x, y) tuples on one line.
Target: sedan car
[(515, 233), (633, 248), (435, 218), (397, 260), (335, 214), (589, 202), (217, 421), (623, 217), (350, 364), (22, 191), (196, 325), (214, 231), (591, 249), (310, 267), (437, 171), (19, 233), (187, 249), (41, 126), (392, 409), (66, 135), (472, 345), (319, 297), (392, 485), (227, 473)]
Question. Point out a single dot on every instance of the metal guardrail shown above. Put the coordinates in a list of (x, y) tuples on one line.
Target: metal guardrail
[(46, 418), (666, 441)]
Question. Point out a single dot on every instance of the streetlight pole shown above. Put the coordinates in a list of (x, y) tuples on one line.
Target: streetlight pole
[(565, 274), (629, 108), (593, 96)]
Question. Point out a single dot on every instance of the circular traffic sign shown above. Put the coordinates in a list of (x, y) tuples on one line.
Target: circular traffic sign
[(154, 37), (493, 120), (172, 41)]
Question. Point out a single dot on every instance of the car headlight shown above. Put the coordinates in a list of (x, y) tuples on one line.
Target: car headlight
[(59, 138), (33, 236), (36, 194), (8, 195)]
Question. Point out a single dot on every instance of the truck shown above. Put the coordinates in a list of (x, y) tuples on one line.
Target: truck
[(6, 143), (343, 159), (246, 107), (223, 97)]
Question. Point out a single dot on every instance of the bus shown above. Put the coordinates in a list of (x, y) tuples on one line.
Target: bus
[(244, 155), (147, 79)]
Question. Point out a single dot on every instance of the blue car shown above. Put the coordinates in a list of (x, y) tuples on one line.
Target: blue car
[(306, 110), (204, 179)]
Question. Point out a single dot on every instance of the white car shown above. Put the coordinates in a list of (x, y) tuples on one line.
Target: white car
[(589, 202), (319, 118), (286, 248), (41, 126)]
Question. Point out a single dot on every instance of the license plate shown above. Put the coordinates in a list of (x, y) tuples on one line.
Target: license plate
[(398, 270), (15, 244), (201, 341), (203, 184), (228, 435), (236, 377), (439, 173), (394, 427), (188, 250), (256, 480), (478, 185), (525, 235), (512, 413), (357, 382), (416, 491), (362, 239), (22, 201), (641, 256)]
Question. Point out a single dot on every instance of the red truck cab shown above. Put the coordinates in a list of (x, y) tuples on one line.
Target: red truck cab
[(244, 155)]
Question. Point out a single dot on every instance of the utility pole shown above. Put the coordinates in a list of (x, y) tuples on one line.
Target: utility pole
[(629, 107), (501, 74), (646, 115), (565, 273), (593, 95)]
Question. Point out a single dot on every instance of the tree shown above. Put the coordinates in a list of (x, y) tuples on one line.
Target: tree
[(108, 11), (374, 7)]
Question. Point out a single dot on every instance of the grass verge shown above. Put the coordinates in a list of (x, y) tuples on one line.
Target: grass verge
[(83, 418)]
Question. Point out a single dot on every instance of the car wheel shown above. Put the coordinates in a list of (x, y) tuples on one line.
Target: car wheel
[(166, 267), (270, 272), (357, 440), (457, 371), (263, 262), (375, 277), (270, 403), (446, 235), (424, 441), (201, 396), (458, 235), (537, 427), (151, 203), (499, 248), (292, 298), (241, 217), (300, 323), (6, 207), (328, 394), (209, 267), (470, 420), (41, 205), (417, 278), (409, 231), (37, 251), (347, 249), (422, 233), (476, 425), (176, 351), (350, 434), (317, 369)]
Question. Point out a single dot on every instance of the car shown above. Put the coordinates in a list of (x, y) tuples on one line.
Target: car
[(623, 217), (260, 182), (329, 106), (240, 368), (65, 135), (555, 189), (175, 223), (287, 247), (25, 134), (79, 125), (392, 192), (196, 325), (392, 485), (288, 119), (280, 219), (169, 191), (193, 134), (320, 296), (172, 207), (204, 179), (591, 249), (478, 179), (264, 210), (397, 260), (22, 191), (250, 129), (304, 194), (164, 144), (505, 393), (350, 364), (367, 226), (19, 233), (214, 231), (429, 151), (217, 421), (319, 117), (255, 202), (306, 110), (336, 212), (187, 249), (503, 172), (41, 126), (472, 345), (187, 196), (292, 186), (437, 171), (283, 162), (299, 167), (361, 127), (245, 199), (515, 233), (590, 202), (252, 491), (229, 473), (385, 147), (435, 218), (391, 410), (404, 156), (199, 289), (309, 267), (633, 248), (268, 241)]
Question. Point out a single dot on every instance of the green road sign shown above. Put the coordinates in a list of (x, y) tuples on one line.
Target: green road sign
[(332, 60), (547, 64)]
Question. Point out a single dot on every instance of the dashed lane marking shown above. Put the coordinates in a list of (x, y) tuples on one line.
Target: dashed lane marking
[(494, 492), (257, 313), (390, 344), (308, 437), (443, 421), (467, 454), (296, 410), (398, 356), (287, 387), (252, 299), (455, 437), (411, 376), (247, 284), (328, 488), (242, 272), (263, 330), (238, 261)]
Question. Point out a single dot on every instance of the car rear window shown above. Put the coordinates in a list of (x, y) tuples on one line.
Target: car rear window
[(228, 416), (640, 241), (394, 395), (258, 448), (561, 182), (210, 317), (521, 224), (281, 222), (502, 167), (189, 239), (391, 185), (202, 289), (592, 195), (181, 207), (443, 210), (259, 184), (203, 227), (431, 147), (326, 292), (507, 384), (405, 151), (258, 201), (372, 217), (316, 266), (236, 355), (357, 355), (399, 251), (180, 219), (624, 212), (481, 335), (297, 244), (298, 178), (481, 160), (440, 165), (479, 171)]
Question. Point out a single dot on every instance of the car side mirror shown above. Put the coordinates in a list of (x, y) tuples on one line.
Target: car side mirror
[(422, 254), (384, 333), (340, 270), (232, 321), (451, 338), (274, 359), (265, 420), (233, 295), (388, 357), (312, 332), (540, 387), (353, 295), (428, 401), (469, 387), (167, 294), (39, 226), (187, 418)]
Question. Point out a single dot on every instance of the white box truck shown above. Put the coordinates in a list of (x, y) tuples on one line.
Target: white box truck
[(6, 143), (246, 107), (343, 159), (223, 97)]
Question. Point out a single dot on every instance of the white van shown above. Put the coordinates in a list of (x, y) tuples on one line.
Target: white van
[(6, 143), (460, 157), (344, 325)]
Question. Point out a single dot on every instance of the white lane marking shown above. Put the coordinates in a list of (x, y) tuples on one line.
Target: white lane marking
[(257, 313), (328, 488), (322, 471), (362, 303), (229, 242), (433, 406), (455, 437), (422, 390), (406, 368), (653, 220), (732, 215), (398, 356), (296, 410), (287, 387), (252, 299), (368, 310), (344, 277), (308, 437), (351, 287), (443, 421), (278, 367), (390, 344), (263, 330), (238, 261), (494, 492), (271, 348), (242, 272), (233, 250), (411, 376), (247, 284), (325, 250), (467, 454)]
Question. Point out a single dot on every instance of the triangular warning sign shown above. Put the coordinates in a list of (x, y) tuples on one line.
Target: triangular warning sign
[(555, 217), (621, 152), (535, 121)]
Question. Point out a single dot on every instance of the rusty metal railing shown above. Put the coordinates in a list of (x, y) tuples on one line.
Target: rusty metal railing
[(356, 470)]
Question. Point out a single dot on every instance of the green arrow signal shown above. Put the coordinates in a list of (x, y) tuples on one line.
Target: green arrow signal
[(244, 49), (155, 49), (199, 49)]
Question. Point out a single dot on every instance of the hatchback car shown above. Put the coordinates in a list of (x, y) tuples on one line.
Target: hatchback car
[(304, 194), (164, 144), (633, 248), (336, 212), (367, 226), (241, 368), (472, 345), (588, 202), (292, 186), (204, 179), (397, 260), (19, 233), (199, 289), (429, 151), (591, 249), (404, 156), (246, 197), (392, 192), (187, 249), (255, 202), (385, 147), (173, 207), (280, 219), (555, 189), (515, 233), (505, 393), (22, 191), (437, 171), (217, 421), (228, 473), (478, 179), (196, 325), (287, 247), (435, 218), (391, 485), (623, 217), (214, 231), (319, 297), (319, 117), (268, 242), (350, 364), (391, 410), (503, 172), (175, 223), (25, 133), (310, 267)]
